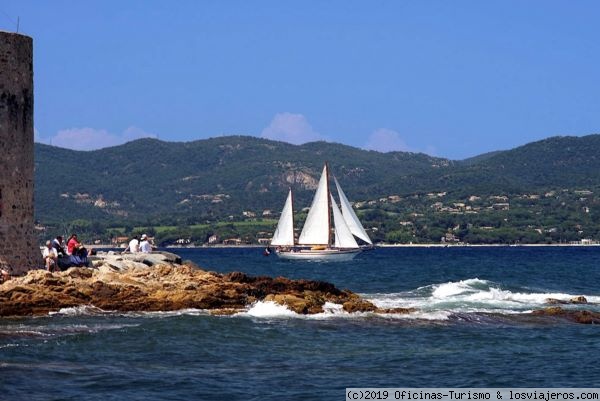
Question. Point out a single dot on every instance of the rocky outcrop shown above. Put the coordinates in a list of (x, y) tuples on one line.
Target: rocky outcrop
[(575, 300), (573, 315), (158, 282), (125, 261), (126, 283)]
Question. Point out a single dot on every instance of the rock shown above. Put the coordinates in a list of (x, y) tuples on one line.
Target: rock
[(578, 300), (575, 300), (122, 283), (577, 316), (294, 303), (399, 311), (127, 261), (554, 301), (131, 264), (358, 305), (238, 277)]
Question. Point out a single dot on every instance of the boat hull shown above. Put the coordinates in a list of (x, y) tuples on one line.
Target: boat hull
[(338, 255)]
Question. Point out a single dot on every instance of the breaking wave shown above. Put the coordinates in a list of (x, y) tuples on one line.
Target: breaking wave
[(471, 296), (436, 302), (432, 302)]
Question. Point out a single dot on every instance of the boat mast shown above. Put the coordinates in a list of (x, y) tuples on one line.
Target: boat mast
[(328, 205), (292, 203)]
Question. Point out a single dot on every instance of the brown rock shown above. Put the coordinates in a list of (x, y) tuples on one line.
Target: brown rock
[(575, 300), (398, 311), (577, 316), (292, 302), (578, 300), (554, 301), (164, 287), (358, 305)]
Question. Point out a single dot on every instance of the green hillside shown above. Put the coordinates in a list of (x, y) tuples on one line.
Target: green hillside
[(150, 183), (213, 178)]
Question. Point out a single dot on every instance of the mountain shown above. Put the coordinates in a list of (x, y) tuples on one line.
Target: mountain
[(216, 177), (148, 181), (479, 158)]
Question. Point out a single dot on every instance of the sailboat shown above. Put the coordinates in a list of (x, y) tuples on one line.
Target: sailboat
[(322, 238)]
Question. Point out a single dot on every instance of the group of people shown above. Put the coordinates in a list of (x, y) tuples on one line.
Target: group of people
[(141, 244), (57, 256)]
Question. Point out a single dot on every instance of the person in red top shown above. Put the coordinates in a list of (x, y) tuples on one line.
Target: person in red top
[(72, 244), (78, 254)]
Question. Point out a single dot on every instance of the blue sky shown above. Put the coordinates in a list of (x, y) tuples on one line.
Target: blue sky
[(449, 78)]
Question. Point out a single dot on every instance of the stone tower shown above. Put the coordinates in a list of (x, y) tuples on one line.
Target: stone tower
[(18, 250)]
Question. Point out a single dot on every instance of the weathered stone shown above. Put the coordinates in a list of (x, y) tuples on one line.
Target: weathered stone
[(397, 311), (358, 305), (126, 261), (18, 250), (579, 300), (577, 316), (295, 303), (575, 300), (138, 287)]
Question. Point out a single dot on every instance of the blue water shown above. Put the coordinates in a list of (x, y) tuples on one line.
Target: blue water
[(472, 329)]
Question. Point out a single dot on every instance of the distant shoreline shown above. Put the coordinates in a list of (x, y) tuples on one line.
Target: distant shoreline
[(479, 245), (377, 246)]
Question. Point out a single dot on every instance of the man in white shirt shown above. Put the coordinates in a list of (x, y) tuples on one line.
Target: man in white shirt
[(50, 257), (145, 245), (134, 245)]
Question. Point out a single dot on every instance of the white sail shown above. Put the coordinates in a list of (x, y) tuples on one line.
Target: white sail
[(316, 227), (351, 218), (284, 234), (343, 236)]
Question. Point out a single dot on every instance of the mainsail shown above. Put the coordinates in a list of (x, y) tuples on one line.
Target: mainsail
[(343, 236), (351, 219), (316, 227), (284, 234)]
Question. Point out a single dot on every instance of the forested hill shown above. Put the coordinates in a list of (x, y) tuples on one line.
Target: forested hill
[(182, 183)]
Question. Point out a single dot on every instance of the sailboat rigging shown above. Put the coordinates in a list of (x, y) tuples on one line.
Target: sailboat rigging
[(316, 240)]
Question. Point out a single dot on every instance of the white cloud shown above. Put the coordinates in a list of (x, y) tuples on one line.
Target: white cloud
[(386, 140), (90, 138), (291, 128)]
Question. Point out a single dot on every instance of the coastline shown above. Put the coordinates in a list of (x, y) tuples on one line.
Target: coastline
[(480, 245), (160, 282), (380, 245), (433, 245)]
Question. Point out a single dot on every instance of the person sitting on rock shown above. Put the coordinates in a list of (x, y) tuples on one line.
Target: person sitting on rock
[(50, 257), (145, 245), (134, 245), (58, 244), (72, 244), (78, 253)]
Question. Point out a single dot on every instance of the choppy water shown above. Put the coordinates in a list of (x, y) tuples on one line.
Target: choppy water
[(471, 329)]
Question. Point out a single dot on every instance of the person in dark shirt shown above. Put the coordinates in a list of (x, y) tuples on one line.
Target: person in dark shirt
[(58, 244)]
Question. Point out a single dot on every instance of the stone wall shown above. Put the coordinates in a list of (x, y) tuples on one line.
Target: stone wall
[(18, 249)]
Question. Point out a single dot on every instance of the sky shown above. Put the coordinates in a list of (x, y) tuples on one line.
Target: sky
[(448, 78)]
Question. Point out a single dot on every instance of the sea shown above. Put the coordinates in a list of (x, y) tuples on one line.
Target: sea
[(472, 328)]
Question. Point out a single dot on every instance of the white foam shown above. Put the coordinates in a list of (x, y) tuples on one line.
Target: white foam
[(12, 345), (180, 312), (467, 296), (432, 302), (330, 308), (449, 289), (84, 310), (418, 315), (269, 309)]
